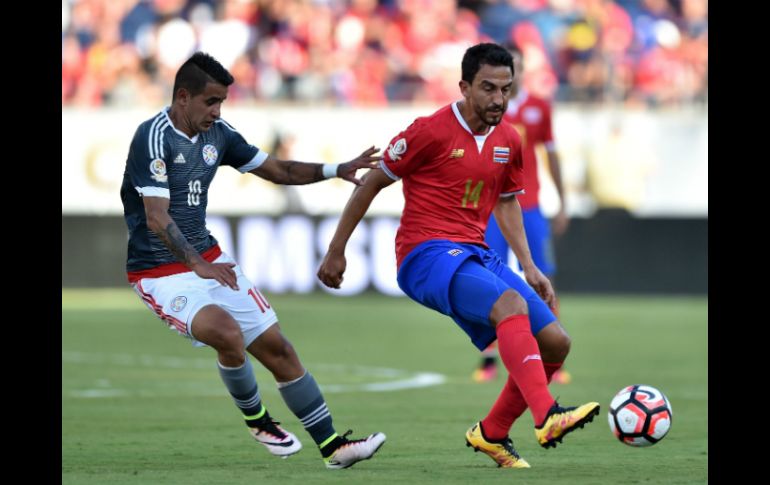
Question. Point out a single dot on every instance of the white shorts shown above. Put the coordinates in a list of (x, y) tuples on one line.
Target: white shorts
[(176, 299)]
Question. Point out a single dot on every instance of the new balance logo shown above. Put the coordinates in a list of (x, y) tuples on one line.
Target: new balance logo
[(457, 153), (455, 252), (179, 159), (531, 357)]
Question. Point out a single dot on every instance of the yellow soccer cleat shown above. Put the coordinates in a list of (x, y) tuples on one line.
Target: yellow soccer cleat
[(503, 453), (561, 421)]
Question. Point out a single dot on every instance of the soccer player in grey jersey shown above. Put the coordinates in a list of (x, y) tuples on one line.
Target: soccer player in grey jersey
[(177, 268)]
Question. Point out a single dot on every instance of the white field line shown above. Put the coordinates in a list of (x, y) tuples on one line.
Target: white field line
[(380, 379)]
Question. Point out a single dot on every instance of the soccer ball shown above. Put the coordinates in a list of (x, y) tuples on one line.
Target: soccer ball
[(640, 415)]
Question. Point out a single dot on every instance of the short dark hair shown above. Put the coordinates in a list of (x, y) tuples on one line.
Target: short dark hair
[(513, 48), (491, 54), (199, 70)]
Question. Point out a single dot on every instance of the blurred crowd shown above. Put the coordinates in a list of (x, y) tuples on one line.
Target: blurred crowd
[(370, 53)]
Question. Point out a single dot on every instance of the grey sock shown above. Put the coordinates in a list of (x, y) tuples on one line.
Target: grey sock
[(304, 399), (242, 384)]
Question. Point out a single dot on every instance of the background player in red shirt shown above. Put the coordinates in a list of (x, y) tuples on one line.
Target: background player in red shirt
[(457, 166), (531, 117)]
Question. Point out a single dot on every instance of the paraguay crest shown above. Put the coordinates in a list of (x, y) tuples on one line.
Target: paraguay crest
[(210, 154)]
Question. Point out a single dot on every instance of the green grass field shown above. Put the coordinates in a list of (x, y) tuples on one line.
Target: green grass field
[(140, 405)]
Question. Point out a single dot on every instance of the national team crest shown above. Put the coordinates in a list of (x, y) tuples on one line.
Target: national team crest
[(210, 154), (501, 154), (395, 150), (158, 169), (179, 303)]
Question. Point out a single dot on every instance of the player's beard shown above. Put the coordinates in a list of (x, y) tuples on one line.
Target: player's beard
[(492, 118)]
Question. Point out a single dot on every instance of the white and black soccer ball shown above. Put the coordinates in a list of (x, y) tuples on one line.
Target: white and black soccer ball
[(640, 415)]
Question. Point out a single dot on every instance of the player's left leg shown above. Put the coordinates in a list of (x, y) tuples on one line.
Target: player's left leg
[(302, 395), (553, 342), (263, 339), (540, 242)]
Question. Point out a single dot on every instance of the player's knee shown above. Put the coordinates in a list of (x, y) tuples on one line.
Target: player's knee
[(232, 337), (216, 327), (284, 351), (510, 303), (556, 346)]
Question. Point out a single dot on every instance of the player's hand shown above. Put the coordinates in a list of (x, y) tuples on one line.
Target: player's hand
[(222, 272), (542, 285), (331, 270), (367, 159), (560, 223)]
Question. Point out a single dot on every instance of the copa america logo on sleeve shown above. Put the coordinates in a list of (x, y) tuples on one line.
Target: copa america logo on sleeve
[(158, 170), (395, 150)]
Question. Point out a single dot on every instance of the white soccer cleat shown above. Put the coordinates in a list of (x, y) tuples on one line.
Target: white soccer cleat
[(277, 440), (353, 451)]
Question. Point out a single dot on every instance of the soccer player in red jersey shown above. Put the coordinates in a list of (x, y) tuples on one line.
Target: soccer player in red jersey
[(458, 166), (531, 117)]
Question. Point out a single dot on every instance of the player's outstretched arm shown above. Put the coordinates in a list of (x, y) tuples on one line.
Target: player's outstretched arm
[(161, 223), (333, 265), (290, 172)]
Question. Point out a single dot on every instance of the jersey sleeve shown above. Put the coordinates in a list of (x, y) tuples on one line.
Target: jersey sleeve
[(147, 161), (408, 150), (514, 179), (240, 154)]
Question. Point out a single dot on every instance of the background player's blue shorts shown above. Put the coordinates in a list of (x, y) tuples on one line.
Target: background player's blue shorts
[(464, 281), (538, 230)]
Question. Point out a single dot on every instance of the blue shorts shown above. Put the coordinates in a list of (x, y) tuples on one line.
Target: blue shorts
[(538, 230), (464, 281)]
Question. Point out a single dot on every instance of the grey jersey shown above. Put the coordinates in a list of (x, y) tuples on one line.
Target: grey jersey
[(164, 162)]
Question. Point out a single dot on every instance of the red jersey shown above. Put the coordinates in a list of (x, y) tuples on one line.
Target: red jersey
[(531, 116), (452, 177)]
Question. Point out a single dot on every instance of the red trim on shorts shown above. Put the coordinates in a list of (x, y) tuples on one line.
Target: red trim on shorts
[(172, 268), (171, 321)]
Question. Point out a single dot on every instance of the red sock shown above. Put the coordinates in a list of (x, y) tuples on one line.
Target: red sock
[(521, 356), (510, 405)]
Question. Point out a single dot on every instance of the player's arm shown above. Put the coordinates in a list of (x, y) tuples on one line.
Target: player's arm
[(333, 265), (560, 220), (160, 222), (511, 222), (290, 172)]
